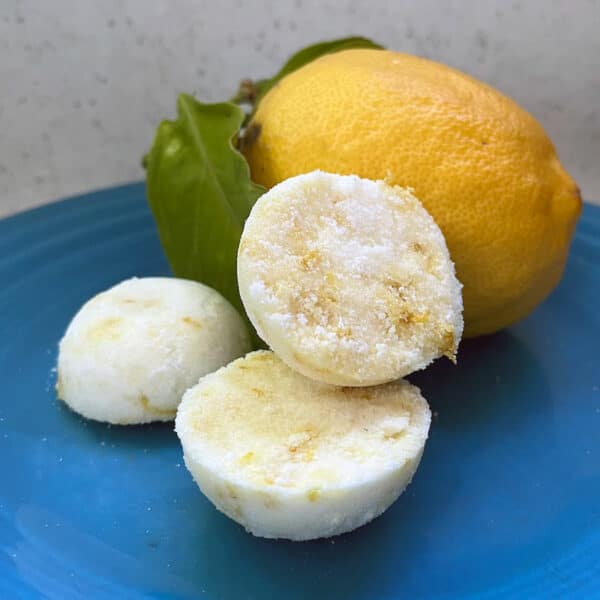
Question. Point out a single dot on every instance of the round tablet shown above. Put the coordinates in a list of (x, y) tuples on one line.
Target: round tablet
[(349, 280), (131, 352), (288, 457)]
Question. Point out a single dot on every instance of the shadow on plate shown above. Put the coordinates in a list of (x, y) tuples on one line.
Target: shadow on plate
[(151, 436)]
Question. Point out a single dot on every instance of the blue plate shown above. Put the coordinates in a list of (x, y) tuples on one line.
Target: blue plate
[(506, 502)]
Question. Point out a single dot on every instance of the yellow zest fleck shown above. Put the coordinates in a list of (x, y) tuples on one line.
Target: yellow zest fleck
[(107, 329), (140, 302), (59, 387), (192, 322), (269, 501), (160, 412), (418, 248), (310, 260), (449, 345), (246, 458), (313, 495)]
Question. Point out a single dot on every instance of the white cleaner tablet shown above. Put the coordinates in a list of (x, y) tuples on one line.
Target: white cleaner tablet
[(288, 457), (131, 352), (349, 280)]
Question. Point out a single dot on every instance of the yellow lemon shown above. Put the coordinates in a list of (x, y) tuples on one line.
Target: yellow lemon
[(481, 165)]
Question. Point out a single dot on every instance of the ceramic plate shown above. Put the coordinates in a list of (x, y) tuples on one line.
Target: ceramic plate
[(506, 502)]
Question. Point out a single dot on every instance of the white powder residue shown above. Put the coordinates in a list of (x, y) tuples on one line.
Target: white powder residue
[(281, 319), (257, 289)]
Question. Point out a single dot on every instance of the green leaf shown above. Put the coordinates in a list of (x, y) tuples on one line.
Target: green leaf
[(253, 91), (199, 189)]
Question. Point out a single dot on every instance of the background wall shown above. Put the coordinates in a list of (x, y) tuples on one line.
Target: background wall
[(83, 84)]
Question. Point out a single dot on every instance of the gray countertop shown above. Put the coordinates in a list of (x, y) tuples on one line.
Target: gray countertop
[(85, 84)]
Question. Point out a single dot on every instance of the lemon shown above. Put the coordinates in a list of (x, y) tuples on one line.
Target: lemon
[(482, 166)]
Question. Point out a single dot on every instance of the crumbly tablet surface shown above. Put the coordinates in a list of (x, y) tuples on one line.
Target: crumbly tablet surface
[(131, 352), (349, 280), (289, 457)]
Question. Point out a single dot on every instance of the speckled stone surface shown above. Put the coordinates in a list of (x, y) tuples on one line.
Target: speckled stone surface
[(85, 83)]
